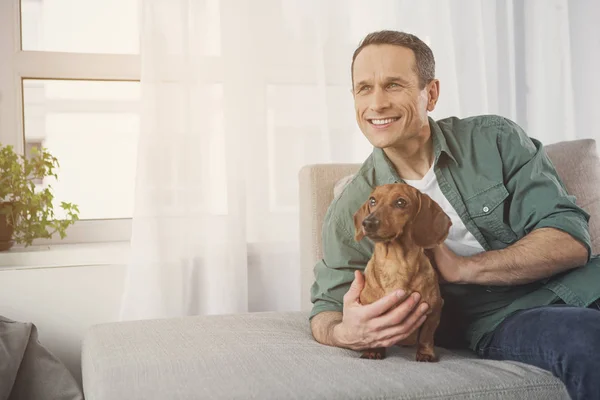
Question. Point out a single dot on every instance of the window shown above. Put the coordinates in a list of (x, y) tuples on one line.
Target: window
[(72, 85), (92, 128), (69, 81)]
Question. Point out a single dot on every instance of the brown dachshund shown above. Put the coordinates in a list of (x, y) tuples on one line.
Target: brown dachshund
[(403, 222)]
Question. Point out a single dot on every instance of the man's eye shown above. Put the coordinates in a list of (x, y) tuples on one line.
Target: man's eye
[(400, 203), (393, 85), (364, 89), (372, 202)]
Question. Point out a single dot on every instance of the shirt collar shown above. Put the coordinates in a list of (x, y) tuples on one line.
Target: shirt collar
[(439, 141), (385, 171)]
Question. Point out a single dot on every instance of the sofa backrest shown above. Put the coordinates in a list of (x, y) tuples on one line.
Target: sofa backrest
[(576, 162), (578, 166)]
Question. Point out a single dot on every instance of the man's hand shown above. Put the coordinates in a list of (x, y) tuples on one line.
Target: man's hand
[(380, 324), (450, 266)]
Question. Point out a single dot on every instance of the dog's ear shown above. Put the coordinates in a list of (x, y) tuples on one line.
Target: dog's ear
[(359, 216), (430, 225)]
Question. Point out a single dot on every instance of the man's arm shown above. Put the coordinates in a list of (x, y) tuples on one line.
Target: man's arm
[(323, 325), (553, 229), (539, 255)]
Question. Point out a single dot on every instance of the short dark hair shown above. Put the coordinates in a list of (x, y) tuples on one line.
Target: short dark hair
[(424, 60)]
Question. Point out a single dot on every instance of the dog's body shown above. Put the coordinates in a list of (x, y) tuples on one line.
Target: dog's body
[(403, 222)]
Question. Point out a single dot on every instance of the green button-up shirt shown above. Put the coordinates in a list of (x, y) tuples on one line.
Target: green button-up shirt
[(503, 186)]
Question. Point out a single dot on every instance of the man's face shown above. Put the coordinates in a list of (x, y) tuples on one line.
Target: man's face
[(390, 106)]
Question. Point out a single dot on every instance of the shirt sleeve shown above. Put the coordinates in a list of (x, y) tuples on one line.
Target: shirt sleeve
[(539, 197), (334, 274)]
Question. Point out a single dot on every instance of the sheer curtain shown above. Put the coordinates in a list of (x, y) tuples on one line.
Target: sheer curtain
[(238, 95)]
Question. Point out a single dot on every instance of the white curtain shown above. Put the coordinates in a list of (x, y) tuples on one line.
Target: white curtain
[(238, 95)]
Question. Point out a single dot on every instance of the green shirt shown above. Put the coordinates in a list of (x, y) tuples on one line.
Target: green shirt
[(503, 186)]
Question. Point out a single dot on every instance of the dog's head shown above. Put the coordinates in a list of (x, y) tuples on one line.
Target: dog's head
[(393, 209)]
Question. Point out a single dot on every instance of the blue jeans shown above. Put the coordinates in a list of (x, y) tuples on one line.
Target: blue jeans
[(562, 339)]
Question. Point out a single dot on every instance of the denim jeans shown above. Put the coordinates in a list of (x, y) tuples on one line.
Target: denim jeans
[(562, 339)]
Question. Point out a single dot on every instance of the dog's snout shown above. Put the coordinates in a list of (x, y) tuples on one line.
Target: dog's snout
[(370, 224)]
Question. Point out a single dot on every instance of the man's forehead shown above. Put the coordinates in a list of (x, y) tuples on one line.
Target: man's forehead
[(382, 60)]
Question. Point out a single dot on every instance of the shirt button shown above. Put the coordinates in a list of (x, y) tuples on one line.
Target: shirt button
[(486, 209)]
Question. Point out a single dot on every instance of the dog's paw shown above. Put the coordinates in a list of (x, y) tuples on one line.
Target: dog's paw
[(426, 357), (374, 354)]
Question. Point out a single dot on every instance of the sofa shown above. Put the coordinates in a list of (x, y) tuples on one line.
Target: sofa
[(272, 355)]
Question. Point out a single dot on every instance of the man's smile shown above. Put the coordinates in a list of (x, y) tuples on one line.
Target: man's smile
[(380, 123)]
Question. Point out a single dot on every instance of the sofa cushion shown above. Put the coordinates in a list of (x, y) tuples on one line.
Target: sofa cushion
[(273, 356), (578, 165)]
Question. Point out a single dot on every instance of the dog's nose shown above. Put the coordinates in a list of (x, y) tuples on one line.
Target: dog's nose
[(371, 224)]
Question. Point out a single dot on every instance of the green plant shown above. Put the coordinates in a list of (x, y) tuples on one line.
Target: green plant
[(27, 208)]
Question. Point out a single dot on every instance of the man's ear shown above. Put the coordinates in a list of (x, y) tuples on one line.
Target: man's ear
[(359, 216), (433, 94), (431, 225)]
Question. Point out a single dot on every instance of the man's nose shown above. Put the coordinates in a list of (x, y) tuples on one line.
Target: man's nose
[(370, 224), (380, 100)]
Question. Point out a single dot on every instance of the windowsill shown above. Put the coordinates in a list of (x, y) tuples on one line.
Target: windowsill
[(65, 255), (68, 255)]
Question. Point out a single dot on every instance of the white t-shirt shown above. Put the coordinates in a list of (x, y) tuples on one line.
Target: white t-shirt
[(459, 240)]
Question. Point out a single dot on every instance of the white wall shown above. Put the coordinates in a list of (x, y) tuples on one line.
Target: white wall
[(63, 303)]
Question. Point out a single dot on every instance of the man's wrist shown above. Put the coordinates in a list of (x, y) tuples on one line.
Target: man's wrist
[(466, 271), (337, 335)]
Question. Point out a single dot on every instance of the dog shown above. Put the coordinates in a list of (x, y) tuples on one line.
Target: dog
[(403, 222)]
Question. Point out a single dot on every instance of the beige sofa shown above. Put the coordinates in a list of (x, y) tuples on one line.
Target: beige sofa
[(273, 355)]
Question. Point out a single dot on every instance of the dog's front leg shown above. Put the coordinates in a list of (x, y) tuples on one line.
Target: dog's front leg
[(425, 345)]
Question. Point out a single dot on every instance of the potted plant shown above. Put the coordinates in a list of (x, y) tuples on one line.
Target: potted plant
[(27, 211)]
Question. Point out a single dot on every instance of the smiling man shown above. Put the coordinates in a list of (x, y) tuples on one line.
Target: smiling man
[(520, 282)]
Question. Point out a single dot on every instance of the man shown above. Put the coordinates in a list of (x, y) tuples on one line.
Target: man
[(519, 281)]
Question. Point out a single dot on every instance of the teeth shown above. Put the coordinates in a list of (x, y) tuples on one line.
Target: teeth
[(383, 121)]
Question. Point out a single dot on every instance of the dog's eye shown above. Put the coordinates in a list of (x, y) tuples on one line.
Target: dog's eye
[(372, 202), (400, 203)]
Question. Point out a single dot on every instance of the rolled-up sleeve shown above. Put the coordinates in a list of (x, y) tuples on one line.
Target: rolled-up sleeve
[(334, 274), (539, 197)]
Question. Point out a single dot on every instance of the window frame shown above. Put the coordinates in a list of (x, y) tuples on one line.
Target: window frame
[(21, 64)]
